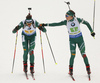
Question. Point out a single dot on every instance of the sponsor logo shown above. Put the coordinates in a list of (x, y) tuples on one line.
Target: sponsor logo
[(72, 24)]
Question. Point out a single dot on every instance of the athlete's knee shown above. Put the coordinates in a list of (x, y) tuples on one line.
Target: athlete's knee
[(84, 56), (31, 52)]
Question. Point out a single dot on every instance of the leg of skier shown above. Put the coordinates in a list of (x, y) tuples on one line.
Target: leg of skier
[(81, 46), (25, 55), (73, 52), (31, 52)]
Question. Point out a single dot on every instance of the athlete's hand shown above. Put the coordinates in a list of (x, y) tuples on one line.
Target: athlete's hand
[(43, 24), (40, 28), (93, 34)]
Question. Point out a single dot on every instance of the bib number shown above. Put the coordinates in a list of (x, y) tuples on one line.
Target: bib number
[(74, 29)]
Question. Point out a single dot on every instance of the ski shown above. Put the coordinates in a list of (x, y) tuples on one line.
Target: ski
[(32, 76), (72, 77), (89, 77), (26, 75)]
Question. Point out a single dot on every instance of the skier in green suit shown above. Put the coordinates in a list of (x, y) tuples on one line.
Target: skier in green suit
[(28, 39), (75, 37)]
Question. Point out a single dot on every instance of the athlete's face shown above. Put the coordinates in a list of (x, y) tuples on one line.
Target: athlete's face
[(29, 24), (68, 17)]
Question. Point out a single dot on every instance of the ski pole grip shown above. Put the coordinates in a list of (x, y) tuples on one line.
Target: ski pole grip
[(29, 8)]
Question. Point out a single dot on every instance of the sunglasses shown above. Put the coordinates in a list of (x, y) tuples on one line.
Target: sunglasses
[(28, 23), (67, 15)]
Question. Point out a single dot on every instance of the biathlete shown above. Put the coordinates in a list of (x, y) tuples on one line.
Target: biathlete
[(28, 39), (75, 37)]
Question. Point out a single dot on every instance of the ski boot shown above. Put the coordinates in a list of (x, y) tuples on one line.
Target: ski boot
[(31, 68), (70, 70), (88, 69), (25, 67)]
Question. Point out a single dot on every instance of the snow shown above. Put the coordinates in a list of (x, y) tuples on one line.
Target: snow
[(48, 11)]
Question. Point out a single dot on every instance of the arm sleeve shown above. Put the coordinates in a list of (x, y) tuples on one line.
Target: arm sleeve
[(57, 24), (36, 23), (86, 23), (44, 29), (18, 27)]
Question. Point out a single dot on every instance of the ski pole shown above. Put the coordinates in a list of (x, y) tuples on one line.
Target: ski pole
[(68, 3), (94, 16), (14, 52), (50, 48), (42, 51)]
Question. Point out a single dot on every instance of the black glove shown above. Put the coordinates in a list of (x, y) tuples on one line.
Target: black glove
[(40, 28), (44, 24), (93, 34), (16, 28)]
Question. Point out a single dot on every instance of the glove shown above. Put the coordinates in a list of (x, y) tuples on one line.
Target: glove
[(40, 28), (93, 34), (43, 24), (15, 29)]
